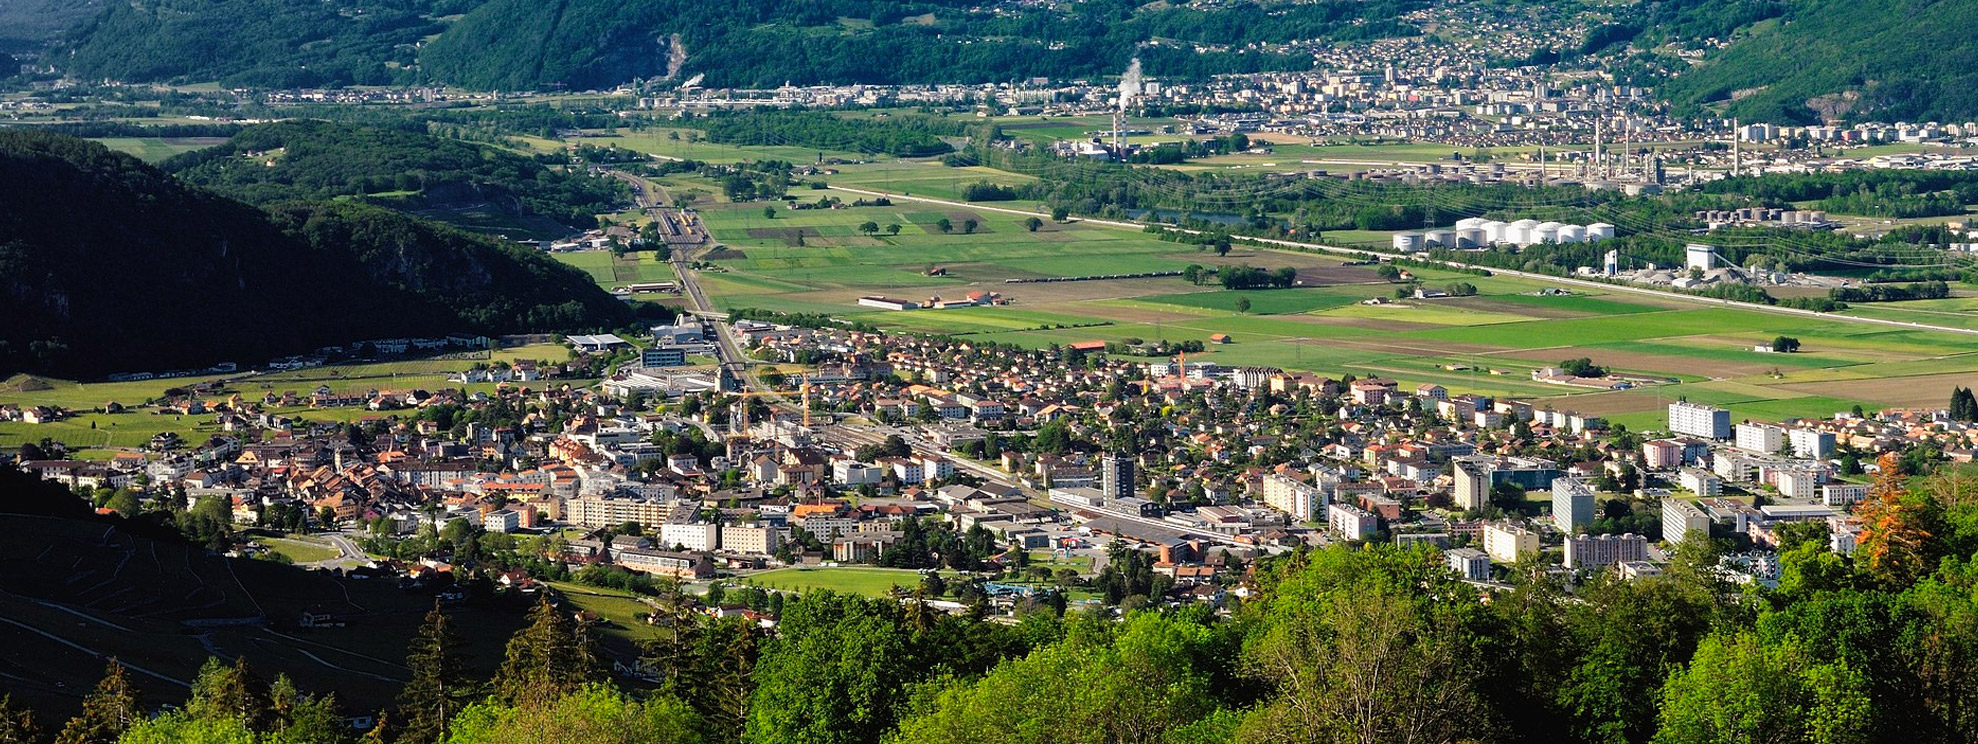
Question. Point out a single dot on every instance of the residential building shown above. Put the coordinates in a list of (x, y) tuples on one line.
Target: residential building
[(1760, 438), (1470, 563), (1701, 482), (750, 539), (1680, 518), (665, 563), (1797, 483), (691, 536), (1352, 522), (1506, 543), (855, 473), (1842, 494), (1697, 420), (1291, 496), (1573, 504), (1658, 454), (1475, 477), (501, 520), (1595, 551), (1811, 443), (1116, 475)]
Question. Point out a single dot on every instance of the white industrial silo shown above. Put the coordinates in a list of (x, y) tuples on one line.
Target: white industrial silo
[(1471, 237), (1520, 232), (1599, 231), (1407, 242), (1494, 232), (1442, 238), (1546, 232), (1572, 233)]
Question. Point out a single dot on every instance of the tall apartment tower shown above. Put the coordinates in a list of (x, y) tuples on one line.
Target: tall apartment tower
[(1116, 475)]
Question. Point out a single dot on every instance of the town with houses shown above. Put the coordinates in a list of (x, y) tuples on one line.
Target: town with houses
[(676, 472)]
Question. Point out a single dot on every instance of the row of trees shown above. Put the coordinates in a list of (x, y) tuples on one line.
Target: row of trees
[(1241, 277)]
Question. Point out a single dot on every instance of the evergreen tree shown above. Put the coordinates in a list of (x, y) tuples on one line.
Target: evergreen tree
[(226, 691), (378, 730), (17, 724), (439, 687), (108, 711), (549, 658)]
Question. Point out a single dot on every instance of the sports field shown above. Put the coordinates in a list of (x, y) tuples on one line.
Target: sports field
[(818, 261)]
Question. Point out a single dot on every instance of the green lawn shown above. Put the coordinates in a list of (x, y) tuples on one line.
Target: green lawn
[(870, 582), (300, 549)]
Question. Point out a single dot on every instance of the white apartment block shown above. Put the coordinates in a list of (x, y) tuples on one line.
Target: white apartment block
[(1351, 522), (1760, 438), (1842, 494), (1797, 483), (1701, 482), (1506, 543), (750, 539), (1699, 420), (1573, 504), (855, 473), (1470, 563), (1291, 496), (694, 537), (1679, 518), (1818, 445)]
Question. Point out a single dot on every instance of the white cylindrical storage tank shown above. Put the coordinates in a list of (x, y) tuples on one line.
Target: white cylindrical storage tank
[(1493, 231), (1443, 238), (1572, 233), (1471, 237), (1408, 242), (1520, 232), (1546, 232), (1599, 231), (1470, 222)]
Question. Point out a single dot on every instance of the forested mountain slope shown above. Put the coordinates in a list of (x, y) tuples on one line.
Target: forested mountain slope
[(1886, 60), (108, 264), (394, 167)]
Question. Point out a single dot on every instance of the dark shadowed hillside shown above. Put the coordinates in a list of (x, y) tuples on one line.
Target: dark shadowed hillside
[(108, 264)]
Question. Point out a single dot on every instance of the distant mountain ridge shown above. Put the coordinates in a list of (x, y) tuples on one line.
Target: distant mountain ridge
[(108, 264), (587, 44), (1790, 61)]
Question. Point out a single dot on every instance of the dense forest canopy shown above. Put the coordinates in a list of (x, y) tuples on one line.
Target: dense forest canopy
[(256, 43), (182, 276), (1886, 60), (400, 166)]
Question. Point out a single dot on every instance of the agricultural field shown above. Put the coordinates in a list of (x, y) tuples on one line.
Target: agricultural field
[(610, 271), (818, 261)]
